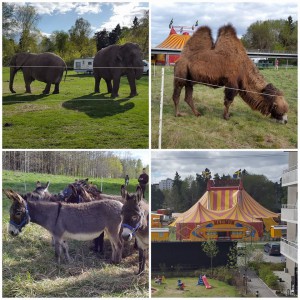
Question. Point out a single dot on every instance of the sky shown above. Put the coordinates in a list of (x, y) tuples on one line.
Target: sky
[(215, 14), (62, 15), (143, 155), (166, 163)]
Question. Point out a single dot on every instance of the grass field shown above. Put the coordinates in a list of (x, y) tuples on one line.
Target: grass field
[(28, 262), (245, 129), (169, 289), (76, 118)]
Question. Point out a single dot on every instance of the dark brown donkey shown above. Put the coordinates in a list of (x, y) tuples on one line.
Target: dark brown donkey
[(135, 214), (82, 222)]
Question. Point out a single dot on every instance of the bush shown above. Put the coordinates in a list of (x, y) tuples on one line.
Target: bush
[(271, 280)]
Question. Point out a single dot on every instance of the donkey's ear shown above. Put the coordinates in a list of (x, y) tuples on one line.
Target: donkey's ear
[(72, 187), (139, 193), (38, 184), (13, 196), (47, 185)]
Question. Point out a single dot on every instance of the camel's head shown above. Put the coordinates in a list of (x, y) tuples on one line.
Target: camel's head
[(279, 107)]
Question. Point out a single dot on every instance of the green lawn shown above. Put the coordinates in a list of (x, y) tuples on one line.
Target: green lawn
[(76, 118), (245, 129), (28, 262), (169, 289)]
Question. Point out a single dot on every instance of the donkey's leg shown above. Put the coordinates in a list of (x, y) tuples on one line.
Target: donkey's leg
[(58, 250), (228, 99), (142, 259), (189, 98), (116, 244), (65, 248)]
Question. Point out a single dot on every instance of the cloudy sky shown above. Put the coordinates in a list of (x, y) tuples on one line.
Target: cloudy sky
[(62, 15), (166, 163), (215, 14)]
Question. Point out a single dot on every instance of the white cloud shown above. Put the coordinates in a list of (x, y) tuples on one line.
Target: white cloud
[(87, 7), (123, 14)]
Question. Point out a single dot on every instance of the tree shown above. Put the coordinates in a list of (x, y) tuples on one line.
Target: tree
[(9, 22), (102, 39), (211, 249), (114, 35), (80, 38), (27, 19), (60, 40), (157, 198)]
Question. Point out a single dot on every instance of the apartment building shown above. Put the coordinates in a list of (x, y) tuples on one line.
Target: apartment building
[(289, 214), (166, 184)]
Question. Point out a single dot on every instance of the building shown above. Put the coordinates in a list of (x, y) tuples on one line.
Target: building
[(289, 214), (166, 184)]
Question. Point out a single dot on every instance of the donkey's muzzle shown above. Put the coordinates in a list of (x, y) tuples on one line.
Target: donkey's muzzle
[(126, 235)]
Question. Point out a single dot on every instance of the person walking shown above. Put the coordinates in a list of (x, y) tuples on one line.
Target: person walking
[(143, 180), (126, 180)]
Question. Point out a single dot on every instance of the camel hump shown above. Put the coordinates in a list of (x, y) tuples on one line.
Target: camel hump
[(201, 40), (227, 30), (228, 42)]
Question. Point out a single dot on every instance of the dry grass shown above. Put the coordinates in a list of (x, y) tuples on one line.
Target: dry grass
[(29, 268)]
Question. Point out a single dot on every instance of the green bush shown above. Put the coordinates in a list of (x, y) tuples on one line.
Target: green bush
[(271, 280)]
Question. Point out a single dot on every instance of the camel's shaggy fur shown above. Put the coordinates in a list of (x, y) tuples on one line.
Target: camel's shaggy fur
[(225, 63)]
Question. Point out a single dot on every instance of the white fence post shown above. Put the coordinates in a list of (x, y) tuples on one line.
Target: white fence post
[(161, 107)]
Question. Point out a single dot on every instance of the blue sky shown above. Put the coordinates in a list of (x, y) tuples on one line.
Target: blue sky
[(62, 15), (241, 14)]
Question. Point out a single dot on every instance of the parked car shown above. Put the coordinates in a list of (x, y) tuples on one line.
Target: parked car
[(272, 248), (146, 67)]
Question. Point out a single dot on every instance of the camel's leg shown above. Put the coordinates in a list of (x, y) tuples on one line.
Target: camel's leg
[(189, 98), (176, 96), (228, 99)]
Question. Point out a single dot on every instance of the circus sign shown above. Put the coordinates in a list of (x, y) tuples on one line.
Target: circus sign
[(219, 222)]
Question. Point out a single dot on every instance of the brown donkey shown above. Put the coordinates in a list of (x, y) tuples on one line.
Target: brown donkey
[(135, 214), (62, 220)]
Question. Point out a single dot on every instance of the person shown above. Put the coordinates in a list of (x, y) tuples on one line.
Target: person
[(276, 64), (143, 180), (126, 180)]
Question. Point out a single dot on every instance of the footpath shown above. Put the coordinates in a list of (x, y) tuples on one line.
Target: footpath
[(255, 284)]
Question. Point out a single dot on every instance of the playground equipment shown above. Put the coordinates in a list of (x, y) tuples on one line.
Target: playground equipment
[(180, 285), (205, 281), (200, 280), (160, 280)]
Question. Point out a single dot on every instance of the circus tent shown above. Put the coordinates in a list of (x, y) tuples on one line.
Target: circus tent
[(226, 212), (173, 41)]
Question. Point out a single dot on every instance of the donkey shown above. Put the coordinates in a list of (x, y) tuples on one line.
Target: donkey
[(62, 221), (40, 193), (135, 214)]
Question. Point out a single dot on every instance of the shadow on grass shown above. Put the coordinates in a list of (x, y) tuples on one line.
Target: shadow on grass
[(99, 105), (21, 98)]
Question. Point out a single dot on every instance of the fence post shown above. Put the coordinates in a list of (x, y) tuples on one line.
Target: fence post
[(161, 107)]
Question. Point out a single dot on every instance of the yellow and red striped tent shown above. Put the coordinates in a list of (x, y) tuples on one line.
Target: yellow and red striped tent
[(225, 204)]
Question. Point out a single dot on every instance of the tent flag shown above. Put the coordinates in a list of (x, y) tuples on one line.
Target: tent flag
[(171, 22), (237, 174)]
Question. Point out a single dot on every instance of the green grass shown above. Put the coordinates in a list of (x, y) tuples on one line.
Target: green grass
[(28, 263), (169, 289), (76, 118), (245, 129)]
